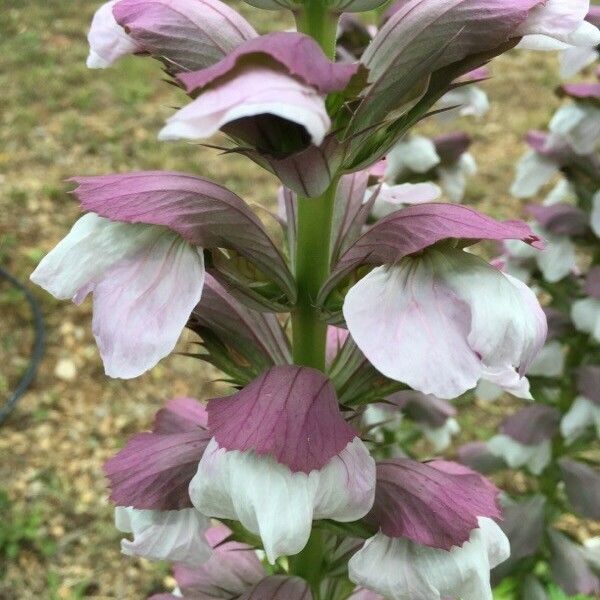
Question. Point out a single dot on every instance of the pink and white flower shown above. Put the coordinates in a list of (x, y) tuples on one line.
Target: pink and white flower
[(185, 34), (139, 251), (282, 455), (466, 321), (436, 538)]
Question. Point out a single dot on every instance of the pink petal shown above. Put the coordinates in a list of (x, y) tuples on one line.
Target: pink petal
[(299, 55), (254, 90), (290, 413), (186, 34), (433, 504)]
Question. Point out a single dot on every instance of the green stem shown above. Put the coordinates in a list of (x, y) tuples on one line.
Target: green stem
[(309, 331), (318, 21), (315, 216)]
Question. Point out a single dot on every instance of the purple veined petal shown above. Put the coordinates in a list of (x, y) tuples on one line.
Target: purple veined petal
[(200, 211), (402, 570), (279, 587), (476, 456), (235, 324), (532, 425), (569, 566), (145, 282), (299, 55), (523, 523), (232, 568), (429, 504), (154, 469), (422, 37), (107, 39), (176, 535), (592, 283), (588, 383), (555, 25), (560, 219), (414, 228), (255, 90), (466, 320), (582, 484), (277, 504), (180, 415), (290, 413), (185, 34), (593, 16)]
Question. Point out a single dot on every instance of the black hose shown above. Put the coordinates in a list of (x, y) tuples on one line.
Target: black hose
[(37, 351)]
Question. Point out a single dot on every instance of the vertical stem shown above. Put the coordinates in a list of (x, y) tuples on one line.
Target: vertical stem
[(314, 222), (318, 21), (315, 217)]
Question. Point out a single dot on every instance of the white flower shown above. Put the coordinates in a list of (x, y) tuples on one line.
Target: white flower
[(516, 455), (582, 415)]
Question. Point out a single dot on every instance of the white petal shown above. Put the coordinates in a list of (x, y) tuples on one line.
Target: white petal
[(391, 305), (416, 154), (84, 255), (487, 391), (550, 362), (562, 192), (585, 315), (508, 380), (108, 41), (143, 303), (573, 60), (175, 535), (579, 125), (453, 181), (402, 570), (391, 198), (516, 455), (271, 501), (253, 91), (533, 172), (582, 415), (441, 437)]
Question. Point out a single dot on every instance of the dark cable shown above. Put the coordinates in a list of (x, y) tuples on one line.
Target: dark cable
[(37, 352)]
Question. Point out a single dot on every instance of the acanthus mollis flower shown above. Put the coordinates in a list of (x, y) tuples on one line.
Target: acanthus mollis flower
[(574, 59), (269, 92), (149, 478), (525, 438), (184, 34), (595, 216), (466, 320), (281, 455), (585, 411), (578, 123), (544, 160), (436, 537), (585, 312), (232, 569), (433, 416), (139, 251), (425, 45), (444, 159)]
